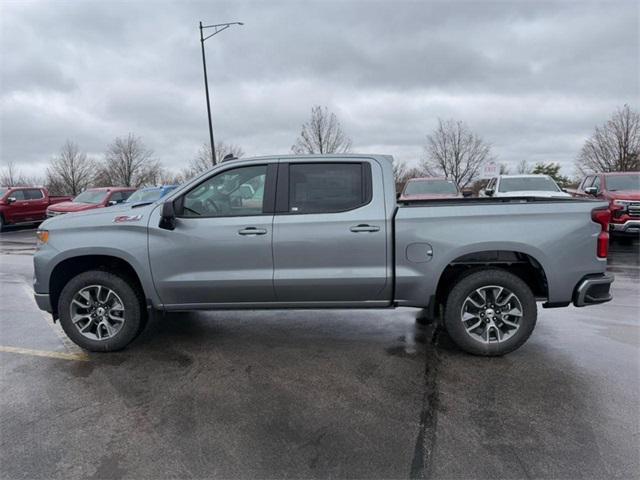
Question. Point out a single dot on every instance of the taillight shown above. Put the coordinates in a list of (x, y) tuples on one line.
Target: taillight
[(602, 216)]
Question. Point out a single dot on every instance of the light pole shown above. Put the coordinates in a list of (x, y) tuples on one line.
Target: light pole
[(216, 29)]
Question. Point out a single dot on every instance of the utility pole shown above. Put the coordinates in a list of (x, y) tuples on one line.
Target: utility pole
[(217, 29)]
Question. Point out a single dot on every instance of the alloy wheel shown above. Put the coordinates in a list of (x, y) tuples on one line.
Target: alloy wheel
[(491, 314), (97, 312)]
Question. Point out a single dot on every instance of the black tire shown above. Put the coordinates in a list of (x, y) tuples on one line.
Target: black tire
[(134, 313), (464, 287), (2, 225)]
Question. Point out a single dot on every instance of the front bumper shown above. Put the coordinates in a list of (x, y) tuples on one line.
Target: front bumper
[(593, 289), (43, 301), (630, 227)]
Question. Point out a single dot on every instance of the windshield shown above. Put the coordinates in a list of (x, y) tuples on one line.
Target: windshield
[(426, 187), (519, 184), (623, 182), (91, 196)]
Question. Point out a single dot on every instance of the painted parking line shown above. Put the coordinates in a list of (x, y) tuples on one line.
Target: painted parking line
[(80, 357)]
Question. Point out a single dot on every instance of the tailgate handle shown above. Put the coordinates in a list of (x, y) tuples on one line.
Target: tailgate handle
[(364, 228), (252, 231)]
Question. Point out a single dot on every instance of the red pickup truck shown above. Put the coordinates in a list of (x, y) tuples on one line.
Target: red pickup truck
[(622, 191), (92, 198), (23, 205)]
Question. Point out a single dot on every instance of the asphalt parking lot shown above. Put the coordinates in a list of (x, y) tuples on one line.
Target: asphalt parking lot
[(318, 394)]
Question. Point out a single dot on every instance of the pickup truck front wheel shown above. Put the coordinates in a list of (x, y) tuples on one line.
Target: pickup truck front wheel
[(100, 311), (490, 312)]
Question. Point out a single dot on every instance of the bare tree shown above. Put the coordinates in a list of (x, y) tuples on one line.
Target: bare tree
[(323, 133), (11, 176), (202, 161), (455, 152), (614, 146), (71, 171), (523, 167), (128, 163), (403, 172)]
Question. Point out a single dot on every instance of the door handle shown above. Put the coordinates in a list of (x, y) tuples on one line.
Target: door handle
[(364, 228), (251, 231)]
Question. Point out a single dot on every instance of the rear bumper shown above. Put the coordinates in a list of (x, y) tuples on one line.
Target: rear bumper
[(593, 289), (43, 301), (630, 227)]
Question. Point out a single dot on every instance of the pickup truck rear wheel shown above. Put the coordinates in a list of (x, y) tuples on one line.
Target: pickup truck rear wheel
[(490, 312), (100, 311)]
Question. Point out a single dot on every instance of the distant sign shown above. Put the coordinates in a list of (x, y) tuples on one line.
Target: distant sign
[(489, 170)]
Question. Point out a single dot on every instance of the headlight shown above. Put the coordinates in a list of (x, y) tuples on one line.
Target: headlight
[(622, 203), (42, 236)]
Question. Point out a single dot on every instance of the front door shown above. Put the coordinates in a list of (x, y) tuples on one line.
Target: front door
[(330, 238), (220, 250)]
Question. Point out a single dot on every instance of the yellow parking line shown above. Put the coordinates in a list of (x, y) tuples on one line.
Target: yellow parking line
[(81, 357)]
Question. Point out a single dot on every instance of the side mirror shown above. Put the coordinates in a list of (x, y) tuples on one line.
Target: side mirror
[(467, 193), (591, 190), (112, 203), (489, 192), (10, 200), (167, 216)]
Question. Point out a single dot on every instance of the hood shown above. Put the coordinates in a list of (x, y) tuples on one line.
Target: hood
[(624, 195), (429, 196), (533, 193), (98, 217), (73, 207)]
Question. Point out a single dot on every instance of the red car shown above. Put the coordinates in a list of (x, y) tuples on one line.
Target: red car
[(23, 205), (622, 191), (92, 198), (427, 188)]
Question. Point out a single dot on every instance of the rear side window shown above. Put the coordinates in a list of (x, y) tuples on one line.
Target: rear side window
[(328, 187), (33, 194)]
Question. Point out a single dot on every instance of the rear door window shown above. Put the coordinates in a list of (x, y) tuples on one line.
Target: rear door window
[(328, 187), (33, 194)]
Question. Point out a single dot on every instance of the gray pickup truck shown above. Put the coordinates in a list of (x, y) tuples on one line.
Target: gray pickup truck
[(321, 232)]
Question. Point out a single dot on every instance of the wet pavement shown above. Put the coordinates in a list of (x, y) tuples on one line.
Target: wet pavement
[(318, 394)]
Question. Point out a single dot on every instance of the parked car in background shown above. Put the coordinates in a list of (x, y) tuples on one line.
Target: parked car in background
[(321, 231), (425, 188), (622, 191), (92, 198), (523, 186), (24, 205), (149, 194)]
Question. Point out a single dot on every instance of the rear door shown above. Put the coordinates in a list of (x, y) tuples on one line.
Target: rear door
[(35, 204), (329, 233)]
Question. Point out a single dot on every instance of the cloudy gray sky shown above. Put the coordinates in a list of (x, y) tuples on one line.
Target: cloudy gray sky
[(533, 78)]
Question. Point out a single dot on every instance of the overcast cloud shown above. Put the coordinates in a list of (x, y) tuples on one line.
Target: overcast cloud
[(532, 78)]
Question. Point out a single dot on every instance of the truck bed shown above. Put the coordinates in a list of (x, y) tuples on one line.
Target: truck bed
[(557, 234)]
